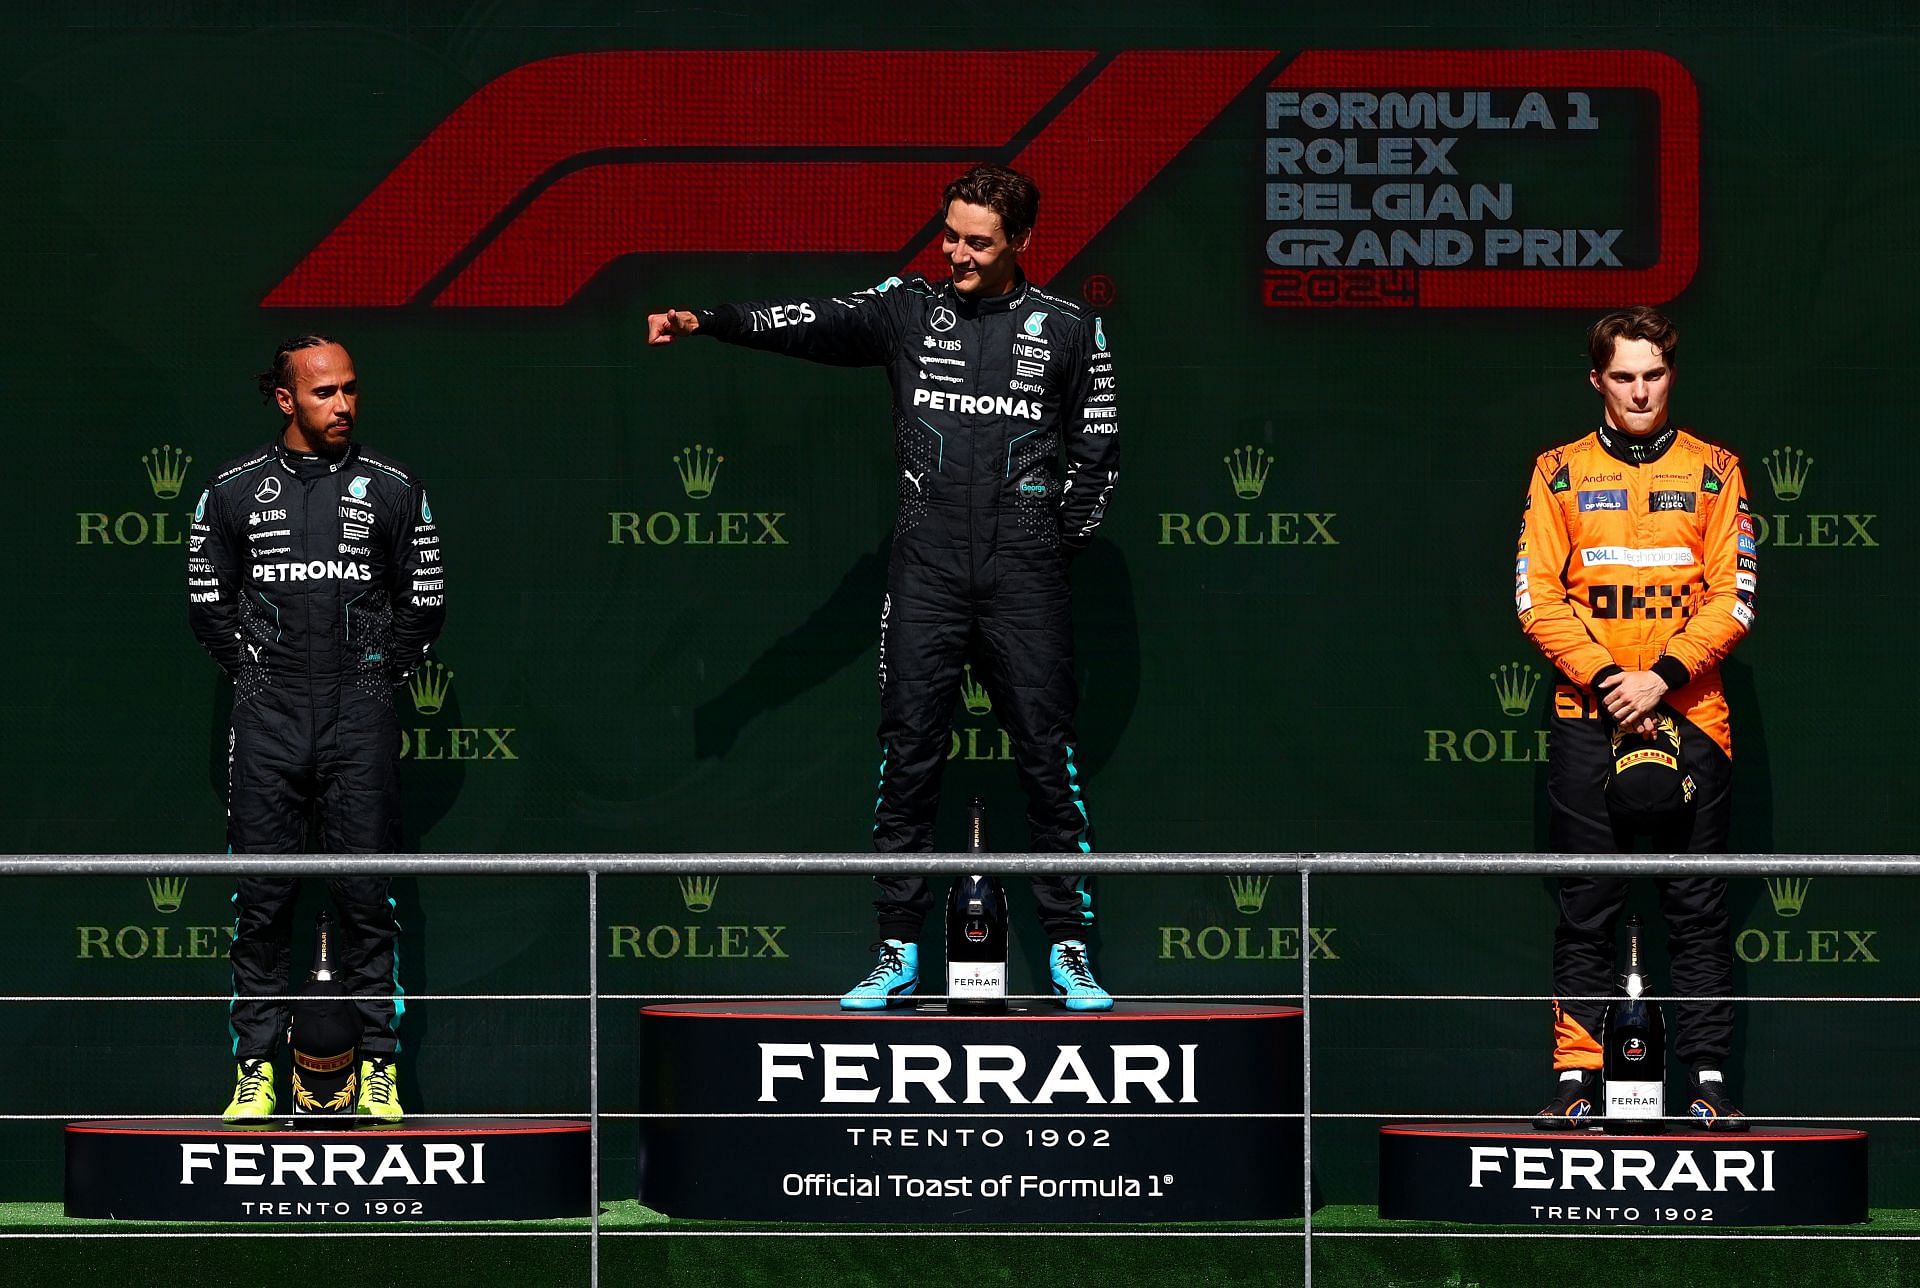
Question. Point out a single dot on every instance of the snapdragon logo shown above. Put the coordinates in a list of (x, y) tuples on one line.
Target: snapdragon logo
[(429, 689), (697, 940), (1247, 469), (1516, 686), (697, 469), (1797, 944), (1787, 470), (165, 469)]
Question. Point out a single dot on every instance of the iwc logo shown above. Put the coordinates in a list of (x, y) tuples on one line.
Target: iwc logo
[(165, 468), (1247, 468), (430, 689), (725, 942), (698, 470), (1515, 686)]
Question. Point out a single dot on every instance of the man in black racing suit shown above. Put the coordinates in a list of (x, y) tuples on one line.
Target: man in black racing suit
[(314, 578), (992, 377)]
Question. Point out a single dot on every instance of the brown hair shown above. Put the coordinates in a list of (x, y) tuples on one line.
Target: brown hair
[(1007, 193), (1637, 323)]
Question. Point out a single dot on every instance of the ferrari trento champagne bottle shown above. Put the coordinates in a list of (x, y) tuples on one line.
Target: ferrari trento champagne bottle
[(323, 1030), (1635, 1060), (976, 931)]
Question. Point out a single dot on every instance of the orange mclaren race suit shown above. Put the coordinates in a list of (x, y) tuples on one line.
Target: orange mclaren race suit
[(1638, 554)]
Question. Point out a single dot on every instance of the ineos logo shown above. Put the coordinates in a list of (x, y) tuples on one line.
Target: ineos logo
[(269, 490), (943, 319)]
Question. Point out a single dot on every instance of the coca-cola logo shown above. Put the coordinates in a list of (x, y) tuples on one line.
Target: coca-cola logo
[(1634, 1049)]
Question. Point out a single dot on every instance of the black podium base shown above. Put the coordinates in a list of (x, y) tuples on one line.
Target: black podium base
[(1507, 1174), (199, 1169), (803, 1112)]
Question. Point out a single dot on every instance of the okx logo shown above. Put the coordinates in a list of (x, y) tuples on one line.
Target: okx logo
[(743, 941), (1246, 472), (1226, 939), (1515, 686), (698, 470), (438, 733), (1799, 945), (165, 468), (556, 169), (1787, 469)]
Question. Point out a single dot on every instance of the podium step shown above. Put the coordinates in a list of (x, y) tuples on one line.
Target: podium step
[(427, 1169), (1507, 1174)]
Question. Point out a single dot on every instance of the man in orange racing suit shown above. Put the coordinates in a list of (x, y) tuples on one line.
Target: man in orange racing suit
[(1636, 576)]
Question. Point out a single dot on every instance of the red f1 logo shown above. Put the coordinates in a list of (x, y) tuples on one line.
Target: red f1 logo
[(558, 168)]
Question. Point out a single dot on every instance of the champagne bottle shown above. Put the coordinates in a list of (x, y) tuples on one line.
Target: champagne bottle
[(1634, 1062), (976, 931), (323, 1030)]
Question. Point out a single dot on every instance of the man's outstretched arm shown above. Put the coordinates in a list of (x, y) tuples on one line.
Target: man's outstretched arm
[(844, 330), (1090, 426)]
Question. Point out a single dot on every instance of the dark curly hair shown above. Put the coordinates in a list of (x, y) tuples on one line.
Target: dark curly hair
[(1637, 323), (279, 373), (1008, 193)]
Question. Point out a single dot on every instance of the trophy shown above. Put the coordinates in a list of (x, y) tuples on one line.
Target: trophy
[(323, 1032), (976, 931), (1634, 1063)]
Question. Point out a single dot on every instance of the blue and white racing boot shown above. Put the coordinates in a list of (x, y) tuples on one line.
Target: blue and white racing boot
[(1073, 980), (893, 978)]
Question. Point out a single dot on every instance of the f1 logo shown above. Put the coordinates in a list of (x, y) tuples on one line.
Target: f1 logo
[(556, 169)]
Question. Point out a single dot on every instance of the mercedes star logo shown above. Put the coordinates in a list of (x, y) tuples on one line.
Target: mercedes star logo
[(943, 319)]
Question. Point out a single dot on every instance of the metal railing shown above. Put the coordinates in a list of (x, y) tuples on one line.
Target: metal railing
[(1306, 864)]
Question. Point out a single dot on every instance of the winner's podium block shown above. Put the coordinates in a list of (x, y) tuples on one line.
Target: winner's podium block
[(1507, 1174), (789, 1111), (200, 1169)]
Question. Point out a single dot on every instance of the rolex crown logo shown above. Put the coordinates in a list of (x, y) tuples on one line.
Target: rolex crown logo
[(1515, 684), (1787, 468), (166, 892), (429, 687), (974, 694), (166, 470), (1249, 893), (697, 892), (1789, 894), (1247, 467), (698, 468)]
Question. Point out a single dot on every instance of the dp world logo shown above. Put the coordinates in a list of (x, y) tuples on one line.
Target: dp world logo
[(165, 469), (698, 470), (742, 941), (1515, 687), (430, 690), (1247, 469), (1787, 469), (1799, 945)]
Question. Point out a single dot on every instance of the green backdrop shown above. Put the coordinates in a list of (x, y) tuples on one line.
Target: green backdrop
[(1359, 683)]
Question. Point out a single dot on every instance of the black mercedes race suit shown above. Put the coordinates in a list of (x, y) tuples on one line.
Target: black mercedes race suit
[(986, 395), (317, 585)]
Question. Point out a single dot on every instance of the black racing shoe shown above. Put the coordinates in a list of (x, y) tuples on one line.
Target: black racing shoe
[(1712, 1107), (1574, 1104)]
